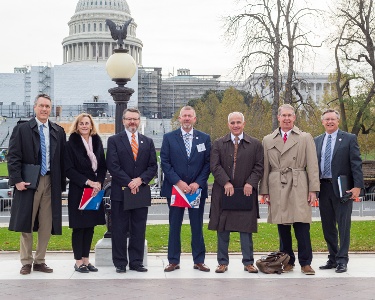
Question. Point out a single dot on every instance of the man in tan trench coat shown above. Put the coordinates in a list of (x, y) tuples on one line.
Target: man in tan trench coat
[(289, 185), (244, 173)]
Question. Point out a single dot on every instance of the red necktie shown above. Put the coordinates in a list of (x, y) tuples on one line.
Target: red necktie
[(285, 137)]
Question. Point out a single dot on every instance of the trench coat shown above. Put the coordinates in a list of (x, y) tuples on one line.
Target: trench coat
[(78, 170), (290, 172), (24, 145), (249, 169)]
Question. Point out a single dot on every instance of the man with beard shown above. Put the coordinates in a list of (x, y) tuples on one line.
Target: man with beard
[(131, 160), (185, 160)]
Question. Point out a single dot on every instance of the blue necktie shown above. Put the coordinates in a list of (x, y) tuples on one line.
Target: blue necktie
[(43, 169), (187, 143), (327, 158)]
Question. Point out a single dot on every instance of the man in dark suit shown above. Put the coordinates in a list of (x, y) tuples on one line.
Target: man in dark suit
[(131, 160), (185, 160), (338, 154), (38, 142)]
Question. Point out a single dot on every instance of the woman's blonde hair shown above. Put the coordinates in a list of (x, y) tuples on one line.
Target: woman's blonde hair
[(74, 127)]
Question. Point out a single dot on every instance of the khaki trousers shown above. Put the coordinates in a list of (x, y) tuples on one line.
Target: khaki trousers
[(42, 204)]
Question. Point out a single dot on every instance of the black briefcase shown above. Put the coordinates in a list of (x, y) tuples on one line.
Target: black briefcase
[(138, 200), (238, 201)]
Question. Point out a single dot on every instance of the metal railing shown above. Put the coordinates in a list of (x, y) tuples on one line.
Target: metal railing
[(363, 207)]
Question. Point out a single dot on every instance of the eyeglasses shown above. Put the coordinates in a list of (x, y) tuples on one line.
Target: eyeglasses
[(329, 119), (131, 119)]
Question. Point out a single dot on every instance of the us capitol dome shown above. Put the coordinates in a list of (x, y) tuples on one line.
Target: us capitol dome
[(89, 37)]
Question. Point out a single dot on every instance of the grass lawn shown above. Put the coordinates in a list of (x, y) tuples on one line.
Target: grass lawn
[(266, 240)]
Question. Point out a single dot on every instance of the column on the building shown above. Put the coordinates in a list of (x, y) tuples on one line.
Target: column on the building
[(64, 54), (140, 56), (90, 50), (69, 53), (96, 50), (103, 51), (110, 50)]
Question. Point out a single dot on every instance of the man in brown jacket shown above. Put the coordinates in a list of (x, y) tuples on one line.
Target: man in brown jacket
[(289, 185), (235, 167)]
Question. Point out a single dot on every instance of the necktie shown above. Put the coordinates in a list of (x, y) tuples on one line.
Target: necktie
[(327, 158), (43, 149), (236, 138), (187, 143), (285, 137), (134, 146)]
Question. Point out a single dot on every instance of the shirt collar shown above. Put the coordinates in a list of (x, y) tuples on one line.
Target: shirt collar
[(287, 133), (40, 123), (333, 134), (184, 132), (129, 134), (240, 137)]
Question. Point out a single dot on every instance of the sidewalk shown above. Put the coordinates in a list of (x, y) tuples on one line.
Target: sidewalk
[(186, 283)]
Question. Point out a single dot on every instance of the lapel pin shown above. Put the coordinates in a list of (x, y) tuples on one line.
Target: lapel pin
[(141, 142), (196, 137), (340, 140)]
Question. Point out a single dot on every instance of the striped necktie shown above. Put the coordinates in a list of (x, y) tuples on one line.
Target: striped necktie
[(327, 158), (134, 146), (285, 137), (236, 138), (43, 170)]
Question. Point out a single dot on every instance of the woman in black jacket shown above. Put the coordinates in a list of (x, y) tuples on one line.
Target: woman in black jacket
[(85, 167)]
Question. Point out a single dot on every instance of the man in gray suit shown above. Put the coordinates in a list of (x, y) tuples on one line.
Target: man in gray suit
[(338, 155)]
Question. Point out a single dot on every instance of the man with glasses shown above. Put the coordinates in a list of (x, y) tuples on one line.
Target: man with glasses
[(131, 160), (38, 142), (338, 155), (185, 160), (289, 185)]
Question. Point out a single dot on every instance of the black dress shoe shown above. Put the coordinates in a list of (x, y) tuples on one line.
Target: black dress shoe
[(81, 269), (121, 269), (341, 268), (92, 268), (328, 265), (139, 268)]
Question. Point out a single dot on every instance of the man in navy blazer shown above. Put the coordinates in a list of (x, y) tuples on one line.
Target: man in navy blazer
[(185, 160), (131, 165), (345, 159)]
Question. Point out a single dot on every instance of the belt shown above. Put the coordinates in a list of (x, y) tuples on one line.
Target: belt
[(327, 180)]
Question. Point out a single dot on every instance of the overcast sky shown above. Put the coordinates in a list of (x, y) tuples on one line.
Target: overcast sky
[(175, 34)]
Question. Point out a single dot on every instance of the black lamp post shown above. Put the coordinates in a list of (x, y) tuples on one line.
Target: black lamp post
[(121, 67)]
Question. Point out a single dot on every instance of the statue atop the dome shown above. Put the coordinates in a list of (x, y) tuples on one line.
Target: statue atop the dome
[(120, 34)]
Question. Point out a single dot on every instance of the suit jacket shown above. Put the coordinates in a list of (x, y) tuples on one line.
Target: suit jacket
[(123, 167), (78, 170), (346, 160), (177, 166), (24, 148)]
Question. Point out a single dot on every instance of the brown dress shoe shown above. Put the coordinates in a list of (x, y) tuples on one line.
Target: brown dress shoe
[(288, 268), (307, 270), (171, 267), (201, 267), (42, 268), (250, 269), (221, 268), (26, 269)]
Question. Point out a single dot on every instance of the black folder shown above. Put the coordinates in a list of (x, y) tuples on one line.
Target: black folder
[(138, 200), (30, 173), (343, 183), (238, 201)]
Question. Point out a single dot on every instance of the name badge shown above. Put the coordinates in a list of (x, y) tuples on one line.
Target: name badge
[(201, 147)]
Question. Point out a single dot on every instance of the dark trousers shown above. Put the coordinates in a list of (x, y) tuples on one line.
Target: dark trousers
[(176, 215), (302, 233), (81, 242), (124, 221), (333, 213), (246, 240)]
